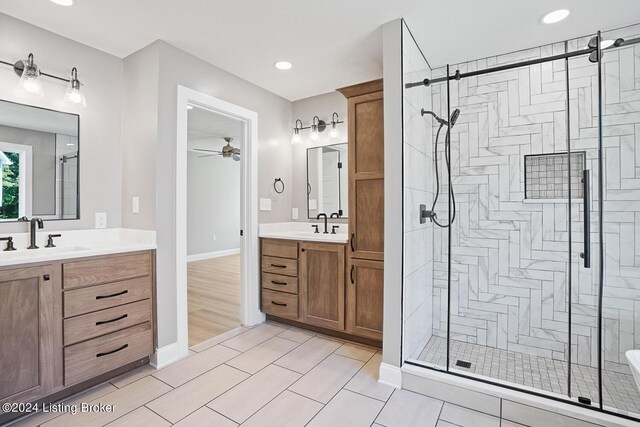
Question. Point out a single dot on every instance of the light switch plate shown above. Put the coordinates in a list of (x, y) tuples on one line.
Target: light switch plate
[(294, 213), (265, 204), (313, 204), (101, 220), (135, 205)]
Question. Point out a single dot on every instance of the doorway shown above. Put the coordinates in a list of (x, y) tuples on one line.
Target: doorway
[(247, 144), (213, 223)]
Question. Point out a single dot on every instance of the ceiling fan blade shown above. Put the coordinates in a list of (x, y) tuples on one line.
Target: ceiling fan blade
[(208, 151)]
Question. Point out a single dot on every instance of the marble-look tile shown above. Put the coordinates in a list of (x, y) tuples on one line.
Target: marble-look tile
[(287, 410), (245, 399), (327, 378), (347, 409)]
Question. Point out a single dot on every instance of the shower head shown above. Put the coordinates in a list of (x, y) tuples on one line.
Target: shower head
[(454, 117)]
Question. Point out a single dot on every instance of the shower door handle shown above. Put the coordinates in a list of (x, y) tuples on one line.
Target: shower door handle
[(586, 197)]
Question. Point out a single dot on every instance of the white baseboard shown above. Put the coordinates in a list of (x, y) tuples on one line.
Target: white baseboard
[(390, 375), (207, 255), (166, 355)]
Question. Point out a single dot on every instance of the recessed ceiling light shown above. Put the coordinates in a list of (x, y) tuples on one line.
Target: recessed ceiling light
[(283, 65), (555, 16), (64, 2), (189, 107)]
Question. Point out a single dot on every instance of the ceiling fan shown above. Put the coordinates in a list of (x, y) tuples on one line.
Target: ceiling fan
[(227, 151)]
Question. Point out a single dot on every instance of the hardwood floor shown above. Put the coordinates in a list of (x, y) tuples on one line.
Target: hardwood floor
[(214, 297)]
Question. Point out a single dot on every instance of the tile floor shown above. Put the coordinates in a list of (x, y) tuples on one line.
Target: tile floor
[(270, 375), (619, 389)]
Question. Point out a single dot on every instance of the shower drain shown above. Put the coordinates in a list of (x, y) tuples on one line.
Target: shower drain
[(463, 364)]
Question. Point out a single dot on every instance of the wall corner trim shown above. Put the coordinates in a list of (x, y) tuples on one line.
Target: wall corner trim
[(390, 375), (166, 355)]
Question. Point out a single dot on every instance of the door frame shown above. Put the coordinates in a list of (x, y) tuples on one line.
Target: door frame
[(250, 313)]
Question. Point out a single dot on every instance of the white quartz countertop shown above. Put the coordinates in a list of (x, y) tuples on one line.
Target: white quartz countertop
[(304, 231), (76, 244)]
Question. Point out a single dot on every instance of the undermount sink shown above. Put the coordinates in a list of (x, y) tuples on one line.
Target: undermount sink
[(633, 356)]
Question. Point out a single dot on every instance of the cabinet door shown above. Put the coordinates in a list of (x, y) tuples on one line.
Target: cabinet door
[(322, 284), (365, 298), (366, 176), (30, 335)]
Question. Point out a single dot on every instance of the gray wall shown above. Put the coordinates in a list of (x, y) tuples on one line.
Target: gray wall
[(100, 131), (322, 106), (154, 164), (213, 204)]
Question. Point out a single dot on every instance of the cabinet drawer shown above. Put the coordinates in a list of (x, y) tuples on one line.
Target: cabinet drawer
[(99, 355), (106, 270), (87, 326), (288, 267), (280, 304), (280, 283), (94, 298), (280, 248)]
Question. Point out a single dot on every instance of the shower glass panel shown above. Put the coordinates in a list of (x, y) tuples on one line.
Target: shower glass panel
[(621, 220), (425, 277)]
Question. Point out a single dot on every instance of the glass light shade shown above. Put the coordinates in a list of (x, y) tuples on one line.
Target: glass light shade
[(30, 78), (314, 135), (74, 93), (334, 133), (296, 138)]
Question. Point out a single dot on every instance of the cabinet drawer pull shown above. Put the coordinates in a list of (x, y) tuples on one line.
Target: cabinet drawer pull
[(279, 283), (102, 322), (353, 236), (353, 282), (278, 304), (112, 295), (278, 266), (106, 353)]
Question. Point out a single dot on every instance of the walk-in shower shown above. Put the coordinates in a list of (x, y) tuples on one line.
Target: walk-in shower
[(536, 284)]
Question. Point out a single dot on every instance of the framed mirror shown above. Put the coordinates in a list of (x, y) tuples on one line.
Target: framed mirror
[(328, 180), (39, 153)]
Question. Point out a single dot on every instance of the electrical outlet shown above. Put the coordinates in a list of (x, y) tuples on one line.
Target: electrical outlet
[(135, 205), (294, 213), (265, 204), (101, 220)]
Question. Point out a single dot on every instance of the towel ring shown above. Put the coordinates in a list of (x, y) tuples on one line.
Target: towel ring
[(275, 185)]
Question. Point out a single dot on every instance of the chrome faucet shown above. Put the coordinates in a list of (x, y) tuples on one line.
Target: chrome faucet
[(325, 221), (40, 224)]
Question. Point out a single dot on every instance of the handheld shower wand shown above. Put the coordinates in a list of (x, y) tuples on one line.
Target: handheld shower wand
[(447, 156)]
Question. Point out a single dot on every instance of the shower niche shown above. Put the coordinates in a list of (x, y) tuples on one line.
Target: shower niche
[(530, 277)]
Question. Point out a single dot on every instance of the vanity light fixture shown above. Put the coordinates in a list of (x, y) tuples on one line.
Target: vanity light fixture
[(74, 91), (317, 126), (555, 16), (31, 82)]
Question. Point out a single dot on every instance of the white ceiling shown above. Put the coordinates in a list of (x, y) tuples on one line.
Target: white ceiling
[(331, 43), (206, 129)]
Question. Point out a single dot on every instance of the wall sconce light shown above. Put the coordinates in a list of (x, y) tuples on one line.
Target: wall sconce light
[(317, 126), (31, 82)]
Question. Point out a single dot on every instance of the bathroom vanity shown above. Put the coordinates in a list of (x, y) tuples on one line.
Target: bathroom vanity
[(73, 316)]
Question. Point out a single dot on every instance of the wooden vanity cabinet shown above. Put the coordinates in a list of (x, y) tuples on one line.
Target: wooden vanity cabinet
[(322, 284), (364, 303), (30, 333)]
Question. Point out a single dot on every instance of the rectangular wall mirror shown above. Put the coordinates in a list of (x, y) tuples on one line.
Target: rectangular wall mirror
[(39, 151), (328, 180)]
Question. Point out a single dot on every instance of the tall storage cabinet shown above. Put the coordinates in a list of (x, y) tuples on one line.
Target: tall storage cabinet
[(364, 305)]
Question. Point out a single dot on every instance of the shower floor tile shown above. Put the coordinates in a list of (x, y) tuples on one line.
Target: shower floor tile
[(619, 389)]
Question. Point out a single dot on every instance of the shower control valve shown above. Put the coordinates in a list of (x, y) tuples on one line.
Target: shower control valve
[(424, 214)]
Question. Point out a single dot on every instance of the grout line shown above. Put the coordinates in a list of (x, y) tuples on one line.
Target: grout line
[(145, 406)]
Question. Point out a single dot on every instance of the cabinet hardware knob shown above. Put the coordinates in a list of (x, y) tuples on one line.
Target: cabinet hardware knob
[(112, 295), (102, 322), (106, 353), (46, 277), (302, 250)]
